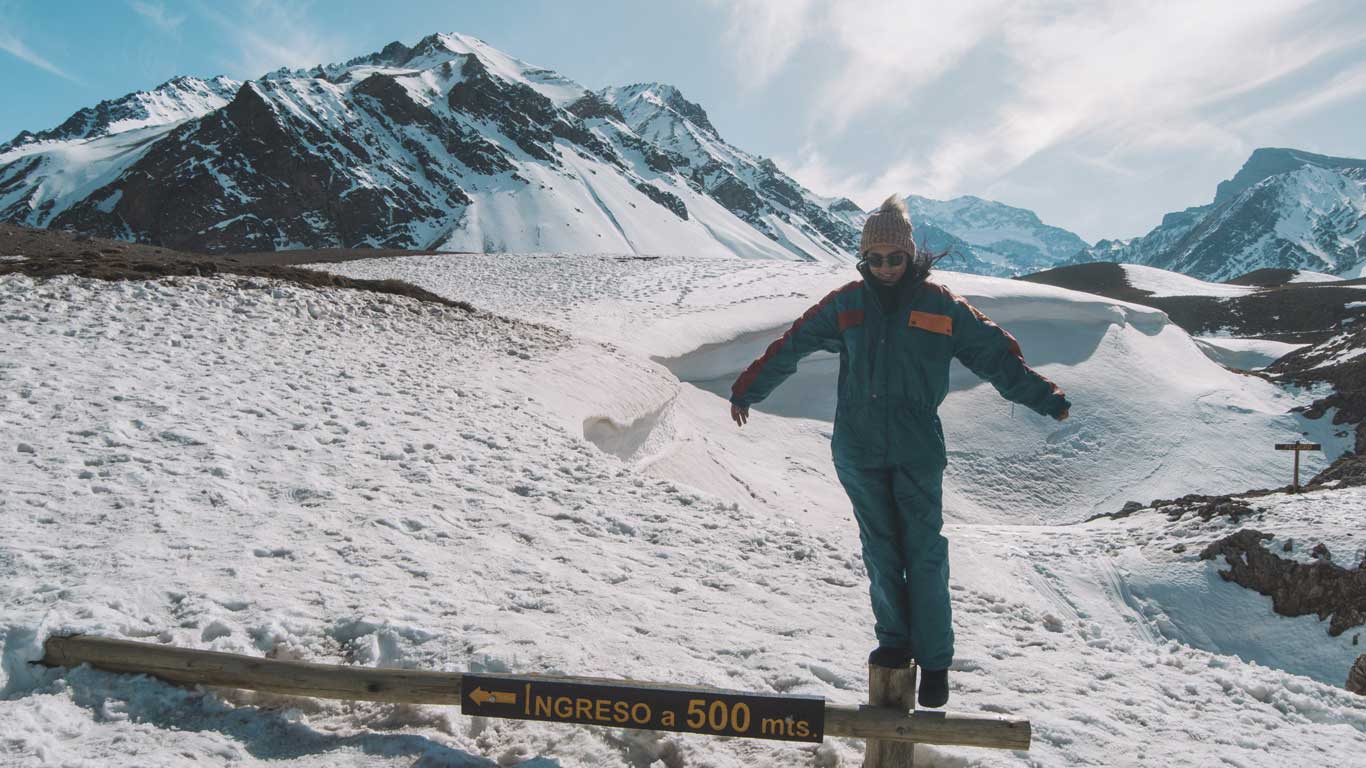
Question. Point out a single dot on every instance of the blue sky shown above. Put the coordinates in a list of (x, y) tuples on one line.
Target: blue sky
[(1099, 116)]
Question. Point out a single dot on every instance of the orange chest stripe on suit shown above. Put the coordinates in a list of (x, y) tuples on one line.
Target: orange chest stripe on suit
[(931, 322)]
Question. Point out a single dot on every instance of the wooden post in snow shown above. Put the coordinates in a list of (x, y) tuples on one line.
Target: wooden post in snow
[(579, 700), (893, 688), (1298, 446)]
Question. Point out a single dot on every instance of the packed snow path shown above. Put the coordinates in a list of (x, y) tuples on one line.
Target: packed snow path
[(338, 476)]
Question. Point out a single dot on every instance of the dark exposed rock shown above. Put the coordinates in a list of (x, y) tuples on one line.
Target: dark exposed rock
[(1348, 470), (1295, 589), (1205, 506), (1219, 506), (286, 187), (778, 185), (51, 253), (1311, 365), (1129, 508), (11, 180), (1296, 312), (667, 199), (593, 105), (1320, 551), (22, 137), (394, 54), (658, 160), (693, 112), (394, 101), (380, 165), (522, 114), (737, 197), (479, 94), (1267, 277), (1356, 677)]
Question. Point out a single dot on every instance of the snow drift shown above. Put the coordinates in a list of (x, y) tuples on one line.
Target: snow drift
[(1153, 415)]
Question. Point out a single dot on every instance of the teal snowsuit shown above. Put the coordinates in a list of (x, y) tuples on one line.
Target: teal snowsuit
[(888, 444)]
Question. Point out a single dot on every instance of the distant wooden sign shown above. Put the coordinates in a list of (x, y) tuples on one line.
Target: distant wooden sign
[(645, 705), (1297, 446)]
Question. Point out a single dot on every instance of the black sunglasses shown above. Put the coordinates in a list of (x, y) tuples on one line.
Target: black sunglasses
[(894, 259)]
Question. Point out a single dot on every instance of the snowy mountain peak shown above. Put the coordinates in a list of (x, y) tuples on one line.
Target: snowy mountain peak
[(1284, 209), (177, 99), (988, 237), (642, 103), (1269, 161), (434, 50), (445, 144), (971, 208)]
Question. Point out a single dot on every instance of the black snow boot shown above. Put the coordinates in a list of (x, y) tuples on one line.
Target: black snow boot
[(934, 688), (890, 656)]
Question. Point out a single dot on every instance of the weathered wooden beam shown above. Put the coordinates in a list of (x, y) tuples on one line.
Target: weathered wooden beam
[(227, 670), (893, 688), (926, 727), (331, 681)]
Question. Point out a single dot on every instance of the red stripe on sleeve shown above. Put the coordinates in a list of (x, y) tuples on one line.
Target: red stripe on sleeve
[(742, 384)]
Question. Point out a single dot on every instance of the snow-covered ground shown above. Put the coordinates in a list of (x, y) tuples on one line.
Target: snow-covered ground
[(1152, 415), (1245, 354), (1162, 282), (1306, 276), (249, 466)]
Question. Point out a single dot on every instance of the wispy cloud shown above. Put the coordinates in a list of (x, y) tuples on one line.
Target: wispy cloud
[(12, 45), (157, 14), (269, 34), (1343, 85), (1140, 75), (1123, 78), (763, 35)]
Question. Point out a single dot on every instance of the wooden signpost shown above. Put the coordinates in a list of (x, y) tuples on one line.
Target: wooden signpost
[(889, 687), (644, 705), (1298, 446), (887, 725)]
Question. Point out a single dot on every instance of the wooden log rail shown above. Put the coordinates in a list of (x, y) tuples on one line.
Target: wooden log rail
[(328, 681)]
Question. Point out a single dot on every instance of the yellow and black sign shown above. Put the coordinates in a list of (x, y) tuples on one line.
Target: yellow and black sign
[(1299, 447), (655, 707)]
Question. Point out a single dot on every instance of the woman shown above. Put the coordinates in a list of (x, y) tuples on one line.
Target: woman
[(895, 332)]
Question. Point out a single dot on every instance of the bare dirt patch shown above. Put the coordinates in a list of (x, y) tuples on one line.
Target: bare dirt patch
[(43, 253)]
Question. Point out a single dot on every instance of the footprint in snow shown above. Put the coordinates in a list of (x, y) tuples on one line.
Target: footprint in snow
[(215, 630)]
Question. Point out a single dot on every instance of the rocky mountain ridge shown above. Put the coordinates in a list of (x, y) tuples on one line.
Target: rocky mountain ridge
[(451, 144), (990, 238), (448, 144), (179, 98), (1284, 209)]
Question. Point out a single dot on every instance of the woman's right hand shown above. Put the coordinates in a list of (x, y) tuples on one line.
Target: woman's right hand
[(739, 415)]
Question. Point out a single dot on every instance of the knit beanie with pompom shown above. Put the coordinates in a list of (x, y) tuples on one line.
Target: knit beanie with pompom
[(889, 225)]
